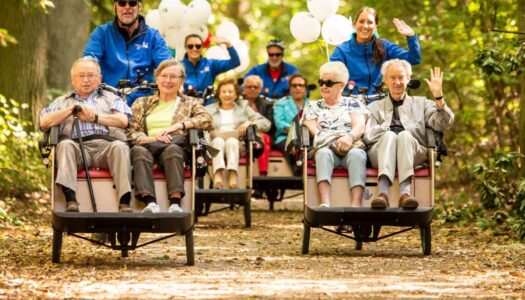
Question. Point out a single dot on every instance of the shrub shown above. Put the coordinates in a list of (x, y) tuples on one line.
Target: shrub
[(21, 167)]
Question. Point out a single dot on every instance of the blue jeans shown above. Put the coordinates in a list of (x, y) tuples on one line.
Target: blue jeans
[(354, 161)]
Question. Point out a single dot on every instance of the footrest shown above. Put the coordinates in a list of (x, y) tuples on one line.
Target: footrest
[(228, 196), (75, 222), (277, 182), (334, 216)]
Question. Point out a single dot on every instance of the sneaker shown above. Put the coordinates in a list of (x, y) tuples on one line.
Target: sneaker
[(324, 205), (124, 208), (151, 208), (174, 208), (72, 206)]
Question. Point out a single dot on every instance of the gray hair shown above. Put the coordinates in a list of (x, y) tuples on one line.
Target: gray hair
[(170, 62), (88, 59), (396, 62), (255, 77), (337, 68)]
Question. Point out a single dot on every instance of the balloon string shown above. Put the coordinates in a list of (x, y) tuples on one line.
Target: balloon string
[(327, 52), (318, 43)]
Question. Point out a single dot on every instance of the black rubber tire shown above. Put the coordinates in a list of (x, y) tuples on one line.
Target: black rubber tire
[(358, 245), (306, 238), (57, 246), (426, 240), (190, 249), (272, 196), (247, 208)]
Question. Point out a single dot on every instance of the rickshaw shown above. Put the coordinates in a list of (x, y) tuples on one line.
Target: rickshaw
[(99, 211)]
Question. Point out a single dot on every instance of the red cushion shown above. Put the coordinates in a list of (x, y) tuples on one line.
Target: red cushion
[(105, 174), (276, 153), (370, 172)]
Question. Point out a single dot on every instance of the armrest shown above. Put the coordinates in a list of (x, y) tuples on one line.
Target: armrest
[(305, 136), (49, 141), (431, 137), (250, 133), (193, 136)]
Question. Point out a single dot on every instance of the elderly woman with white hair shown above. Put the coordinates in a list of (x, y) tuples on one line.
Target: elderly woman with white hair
[(337, 124)]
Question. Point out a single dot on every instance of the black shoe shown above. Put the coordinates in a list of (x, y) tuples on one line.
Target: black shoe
[(72, 206)]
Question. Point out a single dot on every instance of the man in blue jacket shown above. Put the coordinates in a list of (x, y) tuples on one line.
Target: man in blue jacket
[(275, 73), (127, 48), (201, 71)]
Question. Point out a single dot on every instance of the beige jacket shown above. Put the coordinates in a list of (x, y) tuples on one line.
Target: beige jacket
[(414, 114)]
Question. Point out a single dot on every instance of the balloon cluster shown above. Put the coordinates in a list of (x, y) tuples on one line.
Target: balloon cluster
[(306, 26), (175, 21)]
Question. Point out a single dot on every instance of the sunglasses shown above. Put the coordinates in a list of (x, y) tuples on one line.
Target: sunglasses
[(251, 87), (130, 3), (329, 83), (196, 46), (275, 54)]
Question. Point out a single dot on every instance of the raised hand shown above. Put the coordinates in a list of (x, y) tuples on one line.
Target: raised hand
[(403, 28), (435, 84), (221, 40)]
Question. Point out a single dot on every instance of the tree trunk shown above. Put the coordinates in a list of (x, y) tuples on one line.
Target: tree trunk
[(68, 31), (24, 64), (521, 28)]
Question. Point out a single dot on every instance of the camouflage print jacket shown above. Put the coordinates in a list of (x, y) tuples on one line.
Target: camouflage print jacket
[(188, 109)]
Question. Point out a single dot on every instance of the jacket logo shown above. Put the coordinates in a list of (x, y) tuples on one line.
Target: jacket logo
[(144, 45), (205, 70)]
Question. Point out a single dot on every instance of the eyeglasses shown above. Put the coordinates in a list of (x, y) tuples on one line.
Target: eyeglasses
[(297, 85), (329, 83), (130, 3), (89, 77), (251, 87), (196, 46), (275, 54), (170, 76)]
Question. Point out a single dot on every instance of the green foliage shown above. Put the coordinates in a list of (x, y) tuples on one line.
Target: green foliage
[(20, 166), (502, 193), (5, 38)]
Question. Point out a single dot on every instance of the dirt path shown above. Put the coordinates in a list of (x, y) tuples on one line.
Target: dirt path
[(265, 261)]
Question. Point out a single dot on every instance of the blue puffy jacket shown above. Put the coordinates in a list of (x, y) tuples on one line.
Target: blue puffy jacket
[(359, 60), (204, 72), (284, 111), (119, 59), (271, 89)]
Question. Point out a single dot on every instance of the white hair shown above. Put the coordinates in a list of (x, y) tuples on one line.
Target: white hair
[(396, 62), (337, 68), (255, 77), (89, 59)]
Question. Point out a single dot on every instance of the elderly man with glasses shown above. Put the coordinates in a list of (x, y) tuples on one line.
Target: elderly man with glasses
[(201, 71), (127, 48), (275, 73), (101, 117)]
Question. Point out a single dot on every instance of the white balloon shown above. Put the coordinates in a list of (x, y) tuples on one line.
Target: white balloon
[(153, 20), (202, 31), (172, 12), (228, 30), (323, 9), (198, 12), (171, 37), (336, 30), (217, 52), (305, 27), (245, 62)]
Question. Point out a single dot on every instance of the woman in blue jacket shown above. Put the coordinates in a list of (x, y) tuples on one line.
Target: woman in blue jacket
[(364, 54), (201, 71)]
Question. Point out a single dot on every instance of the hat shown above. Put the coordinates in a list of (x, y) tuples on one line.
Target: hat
[(276, 43)]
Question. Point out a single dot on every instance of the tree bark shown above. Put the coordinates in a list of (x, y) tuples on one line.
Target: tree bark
[(521, 28), (24, 64), (68, 32)]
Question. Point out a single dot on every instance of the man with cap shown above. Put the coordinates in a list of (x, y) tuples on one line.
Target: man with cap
[(275, 72), (127, 48)]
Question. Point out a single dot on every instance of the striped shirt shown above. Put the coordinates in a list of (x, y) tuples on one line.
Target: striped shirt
[(105, 102)]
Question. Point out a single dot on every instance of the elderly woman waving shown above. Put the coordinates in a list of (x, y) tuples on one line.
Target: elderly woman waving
[(337, 124), (231, 119), (158, 133)]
